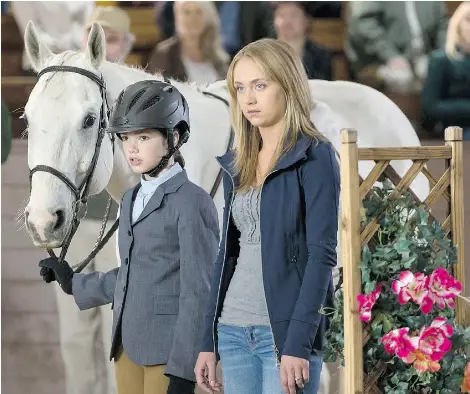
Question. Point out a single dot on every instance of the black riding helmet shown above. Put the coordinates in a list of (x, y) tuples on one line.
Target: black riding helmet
[(152, 105)]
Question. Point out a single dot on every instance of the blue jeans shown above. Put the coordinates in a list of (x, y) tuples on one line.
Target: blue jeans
[(249, 362)]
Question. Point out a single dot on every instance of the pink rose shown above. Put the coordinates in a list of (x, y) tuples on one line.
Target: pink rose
[(367, 301), (399, 343), (443, 288), (409, 286), (433, 340)]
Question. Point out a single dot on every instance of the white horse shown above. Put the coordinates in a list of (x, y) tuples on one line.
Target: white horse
[(61, 102)]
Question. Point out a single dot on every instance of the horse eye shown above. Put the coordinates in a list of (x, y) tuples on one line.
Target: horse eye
[(89, 121)]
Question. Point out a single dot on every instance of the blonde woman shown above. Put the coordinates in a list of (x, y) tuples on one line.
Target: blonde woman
[(273, 275), (195, 53), (446, 93)]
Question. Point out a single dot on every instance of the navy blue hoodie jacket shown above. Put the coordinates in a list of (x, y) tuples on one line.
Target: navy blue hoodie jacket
[(299, 225)]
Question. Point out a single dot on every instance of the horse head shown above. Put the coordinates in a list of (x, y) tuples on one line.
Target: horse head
[(64, 116)]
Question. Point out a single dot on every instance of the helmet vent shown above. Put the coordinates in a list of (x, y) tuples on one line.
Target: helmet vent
[(154, 100), (136, 98), (119, 99)]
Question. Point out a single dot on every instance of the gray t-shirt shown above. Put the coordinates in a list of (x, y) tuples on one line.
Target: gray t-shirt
[(245, 302)]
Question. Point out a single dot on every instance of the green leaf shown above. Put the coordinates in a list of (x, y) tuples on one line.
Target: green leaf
[(366, 254), (395, 380), (403, 386), (387, 324), (370, 286), (458, 363), (414, 322), (453, 383), (408, 262), (402, 245), (423, 216), (466, 334), (377, 331), (447, 391)]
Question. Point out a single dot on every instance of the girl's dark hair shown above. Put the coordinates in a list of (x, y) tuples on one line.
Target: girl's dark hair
[(179, 158)]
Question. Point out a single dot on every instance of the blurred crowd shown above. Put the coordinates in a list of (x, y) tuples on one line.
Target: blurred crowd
[(406, 46)]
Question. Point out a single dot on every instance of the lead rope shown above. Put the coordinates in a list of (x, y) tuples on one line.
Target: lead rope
[(100, 241)]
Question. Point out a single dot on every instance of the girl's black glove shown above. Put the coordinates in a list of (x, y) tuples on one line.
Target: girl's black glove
[(52, 270), (180, 386)]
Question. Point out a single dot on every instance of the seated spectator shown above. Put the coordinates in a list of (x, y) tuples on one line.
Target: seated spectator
[(242, 22), (293, 22), (446, 94), (116, 25), (59, 23), (195, 53), (393, 39)]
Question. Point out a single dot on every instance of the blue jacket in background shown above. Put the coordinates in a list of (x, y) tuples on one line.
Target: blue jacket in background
[(299, 225)]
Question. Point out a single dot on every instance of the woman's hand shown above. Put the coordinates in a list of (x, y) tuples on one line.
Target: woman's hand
[(294, 372), (205, 372)]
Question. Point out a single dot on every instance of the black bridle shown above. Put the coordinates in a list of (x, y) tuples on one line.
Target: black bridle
[(81, 192)]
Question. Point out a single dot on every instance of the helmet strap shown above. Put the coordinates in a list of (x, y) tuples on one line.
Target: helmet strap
[(171, 150)]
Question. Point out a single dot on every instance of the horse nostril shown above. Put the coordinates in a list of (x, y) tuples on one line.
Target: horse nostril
[(60, 215)]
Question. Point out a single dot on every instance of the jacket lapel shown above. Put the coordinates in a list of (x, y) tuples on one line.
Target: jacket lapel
[(170, 186), (125, 216)]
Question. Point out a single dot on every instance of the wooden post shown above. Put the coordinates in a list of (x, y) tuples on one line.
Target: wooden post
[(453, 136), (350, 259)]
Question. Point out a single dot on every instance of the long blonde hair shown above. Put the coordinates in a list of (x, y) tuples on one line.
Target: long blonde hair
[(454, 34), (282, 65)]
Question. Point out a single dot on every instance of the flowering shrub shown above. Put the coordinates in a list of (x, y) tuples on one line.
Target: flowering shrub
[(407, 301)]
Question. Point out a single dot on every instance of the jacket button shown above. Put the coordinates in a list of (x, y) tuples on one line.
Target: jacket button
[(126, 261)]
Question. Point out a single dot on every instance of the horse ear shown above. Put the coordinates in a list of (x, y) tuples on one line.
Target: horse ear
[(96, 47), (37, 50)]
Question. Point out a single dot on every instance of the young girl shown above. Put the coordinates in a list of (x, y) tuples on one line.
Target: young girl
[(168, 241), (273, 275), (445, 97)]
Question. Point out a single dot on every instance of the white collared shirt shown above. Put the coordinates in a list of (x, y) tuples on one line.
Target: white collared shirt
[(147, 188)]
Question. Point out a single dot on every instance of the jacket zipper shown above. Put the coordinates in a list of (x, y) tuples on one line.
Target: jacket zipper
[(223, 264), (275, 348)]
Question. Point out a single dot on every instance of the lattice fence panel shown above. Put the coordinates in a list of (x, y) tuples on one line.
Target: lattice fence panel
[(353, 238)]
